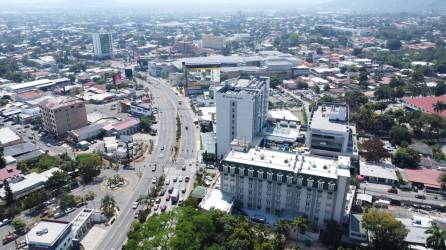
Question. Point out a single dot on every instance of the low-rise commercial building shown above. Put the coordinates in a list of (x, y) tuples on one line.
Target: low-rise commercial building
[(141, 109), (8, 137)]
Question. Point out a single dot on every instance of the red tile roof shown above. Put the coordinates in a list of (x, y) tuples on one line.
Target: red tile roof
[(9, 172), (428, 177), (426, 103), (33, 94)]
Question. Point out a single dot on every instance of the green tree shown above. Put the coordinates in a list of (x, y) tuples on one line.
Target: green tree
[(406, 158), (438, 153), (436, 239), (387, 233), (383, 93), (394, 44), (300, 224), (331, 237), (9, 196), (2, 159), (440, 89), (46, 162), (58, 179), (19, 225), (108, 205), (89, 165), (35, 199), (373, 150), (274, 82), (355, 100), (400, 135), (66, 200)]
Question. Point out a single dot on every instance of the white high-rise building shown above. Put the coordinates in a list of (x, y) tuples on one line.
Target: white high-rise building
[(242, 111), (102, 45), (213, 42), (287, 184)]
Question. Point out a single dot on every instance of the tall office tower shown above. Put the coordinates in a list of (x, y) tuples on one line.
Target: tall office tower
[(103, 45), (242, 109), (62, 114)]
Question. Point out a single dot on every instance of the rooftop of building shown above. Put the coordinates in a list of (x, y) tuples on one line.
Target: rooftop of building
[(47, 232), (428, 177), (282, 115), (122, 125), (60, 101), (7, 136), (8, 172), (378, 170), (242, 86), (292, 162), (217, 199), (426, 104), (332, 117)]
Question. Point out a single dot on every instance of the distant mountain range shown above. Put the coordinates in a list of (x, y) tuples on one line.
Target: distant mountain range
[(387, 5)]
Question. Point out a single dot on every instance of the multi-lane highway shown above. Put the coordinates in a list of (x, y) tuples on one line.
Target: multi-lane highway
[(167, 102)]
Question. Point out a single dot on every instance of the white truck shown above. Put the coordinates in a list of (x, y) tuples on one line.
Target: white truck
[(175, 196)]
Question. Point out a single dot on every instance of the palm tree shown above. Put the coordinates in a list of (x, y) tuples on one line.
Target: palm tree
[(442, 180), (437, 238), (300, 223), (439, 106), (282, 227), (108, 205)]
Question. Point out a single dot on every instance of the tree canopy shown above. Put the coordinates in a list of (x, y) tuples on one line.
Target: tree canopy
[(387, 232)]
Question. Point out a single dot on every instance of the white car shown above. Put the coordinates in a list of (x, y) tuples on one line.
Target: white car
[(167, 181), (156, 207), (5, 222), (180, 179), (161, 155), (154, 180), (135, 205)]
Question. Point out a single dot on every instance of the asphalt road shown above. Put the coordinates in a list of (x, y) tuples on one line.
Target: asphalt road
[(167, 102)]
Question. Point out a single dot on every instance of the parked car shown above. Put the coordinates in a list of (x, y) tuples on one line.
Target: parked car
[(167, 197), (135, 205), (136, 214), (8, 238), (158, 200), (5, 222), (186, 179), (163, 208), (155, 208), (392, 190), (180, 201)]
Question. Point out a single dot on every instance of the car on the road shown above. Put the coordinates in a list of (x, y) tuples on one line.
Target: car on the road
[(48, 145), (210, 166), (162, 192), (8, 238), (180, 201), (5, 222), (183, 190), (167, 182), (158, 200), (163, 208), (174, 179), (183, 167), (161, 155), (162, 148), (392, 190), (420, 196), (154, 168), (186, 179), (170, 189), (135, 205), (154, 180), (180, 179), (155, 208), (186, 127), (69, 210), (58, 215), (167, 197), (136, 214)]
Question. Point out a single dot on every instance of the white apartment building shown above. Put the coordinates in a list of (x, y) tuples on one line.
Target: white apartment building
[(329, 132), (213, 42), (102, 45), (242, 111), (287, 184)]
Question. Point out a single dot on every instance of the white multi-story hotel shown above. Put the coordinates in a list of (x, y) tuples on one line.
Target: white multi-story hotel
[(102, 45), (329, 132), (287, 184), (242, 111)]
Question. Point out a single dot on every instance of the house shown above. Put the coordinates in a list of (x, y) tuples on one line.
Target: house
[(424, 178), (9, 172), (127, 127)]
